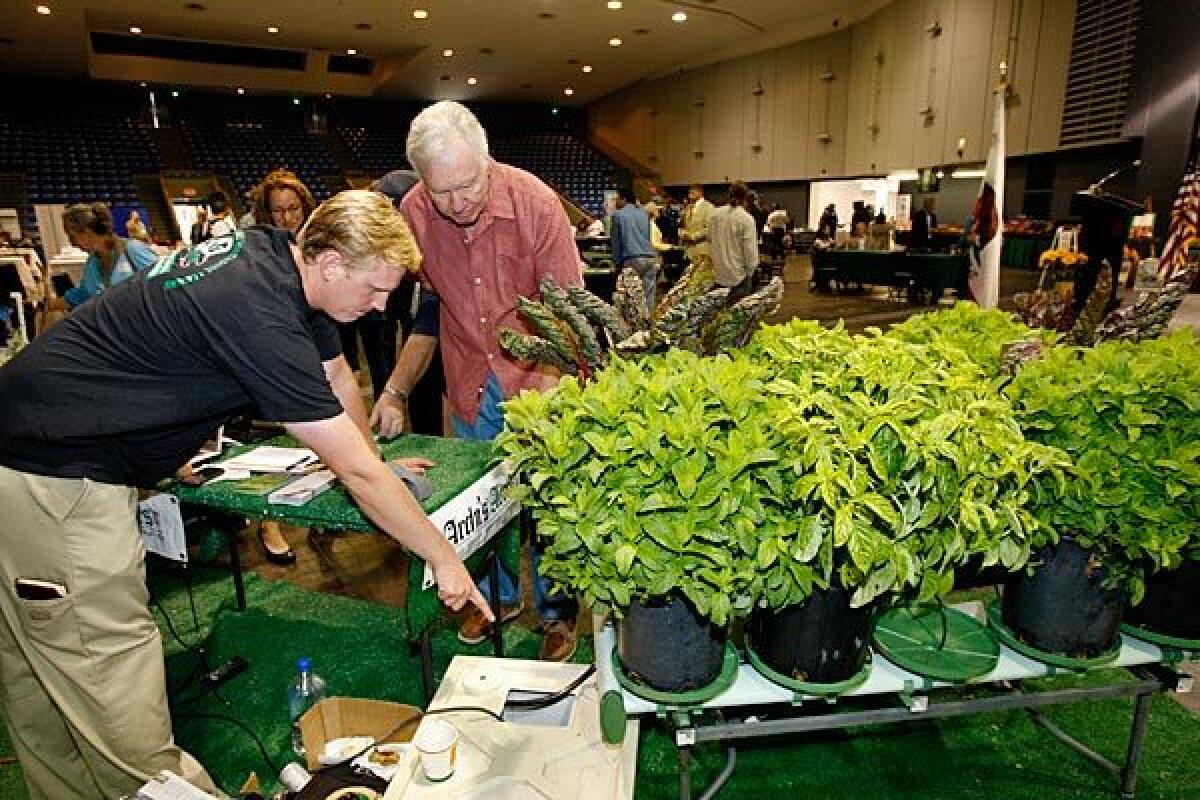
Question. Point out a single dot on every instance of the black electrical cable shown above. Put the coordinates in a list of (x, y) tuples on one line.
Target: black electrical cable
[(275, 769), (551, 699)]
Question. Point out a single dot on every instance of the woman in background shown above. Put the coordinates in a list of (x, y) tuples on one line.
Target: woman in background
[(111, 258)]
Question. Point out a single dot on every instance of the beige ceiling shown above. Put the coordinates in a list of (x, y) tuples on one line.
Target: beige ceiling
[(526, 49)]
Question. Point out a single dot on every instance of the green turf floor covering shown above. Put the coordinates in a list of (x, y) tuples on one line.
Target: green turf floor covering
[(355, 646)]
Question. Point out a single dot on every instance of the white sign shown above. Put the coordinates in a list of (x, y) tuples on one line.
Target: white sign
[(162, 527), (474, 516)]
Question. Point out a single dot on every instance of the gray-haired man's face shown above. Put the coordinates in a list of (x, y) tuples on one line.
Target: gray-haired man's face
[(457, 181)]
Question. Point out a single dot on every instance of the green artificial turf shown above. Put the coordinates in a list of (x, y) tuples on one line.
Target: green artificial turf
[(357, 648)]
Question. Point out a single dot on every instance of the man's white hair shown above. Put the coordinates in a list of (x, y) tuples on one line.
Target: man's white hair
[(439, 127)]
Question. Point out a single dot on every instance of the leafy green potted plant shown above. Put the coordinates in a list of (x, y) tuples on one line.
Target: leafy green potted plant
[(899, 465), (1126, 414), (652, 485)]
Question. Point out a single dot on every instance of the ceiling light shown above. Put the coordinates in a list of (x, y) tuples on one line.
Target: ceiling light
[(615, 5), (350, 51), (142, 84), (586, 68), (968, 173), (241, 90), (472, 81), (174, 93), (272, 29), (904, 175), (295, 101), (447, 52), (420, 13), (679, 16), (328, 96), (42, 9), (568, 91), (134, 29), (614, 41)]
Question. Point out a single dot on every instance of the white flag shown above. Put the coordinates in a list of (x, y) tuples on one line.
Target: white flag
[(989, 216)]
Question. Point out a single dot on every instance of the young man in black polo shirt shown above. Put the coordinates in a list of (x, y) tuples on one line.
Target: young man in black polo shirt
[(121, 394)]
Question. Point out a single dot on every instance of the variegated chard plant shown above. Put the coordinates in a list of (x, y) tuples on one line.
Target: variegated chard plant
[(900, 467), (659, 476)]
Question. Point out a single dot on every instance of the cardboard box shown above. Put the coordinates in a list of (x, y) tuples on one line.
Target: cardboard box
[(335, 717)]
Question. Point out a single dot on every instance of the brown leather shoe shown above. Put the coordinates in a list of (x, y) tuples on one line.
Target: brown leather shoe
[(559, 641), (475, 627)]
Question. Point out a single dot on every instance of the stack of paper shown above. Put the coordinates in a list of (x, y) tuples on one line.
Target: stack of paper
[(303, 489), (273, 459)]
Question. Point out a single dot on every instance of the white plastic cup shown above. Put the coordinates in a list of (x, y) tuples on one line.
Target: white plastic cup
[(294, 776), (437, 747)]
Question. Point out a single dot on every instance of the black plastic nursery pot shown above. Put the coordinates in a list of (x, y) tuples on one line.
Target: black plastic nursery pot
[(666, 645), (974, 575), (1063, 607), (822, 640), (1172, 603)]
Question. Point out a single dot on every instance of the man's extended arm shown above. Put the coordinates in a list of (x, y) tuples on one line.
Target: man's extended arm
[(386, 501)]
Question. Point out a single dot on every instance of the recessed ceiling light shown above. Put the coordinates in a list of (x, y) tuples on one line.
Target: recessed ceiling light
[(174, 93), (545, 15), (472, 81), (615, 5), (272, 29), (134, 29), (295, 101), (641, 31), (350, 51), (142, 84), (679, 16), (614, 41), (486, 51), (42, 9), (195, 7), (241, 90), (328, 96), (586, 68), (568, 91), (447, 52), (420, 13), (572, 61), (526, 85), (363, 26)]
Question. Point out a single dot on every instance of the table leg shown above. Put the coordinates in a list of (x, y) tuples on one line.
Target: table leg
[(685, 773), (494, 589), (427, 663), (235, 565), (1133, 755)]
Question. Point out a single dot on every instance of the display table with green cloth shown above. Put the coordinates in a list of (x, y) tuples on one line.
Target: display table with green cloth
[(1024, 249), (934, 272), (458, 464)]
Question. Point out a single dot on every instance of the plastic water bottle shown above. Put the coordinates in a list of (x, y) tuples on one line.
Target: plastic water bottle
[(305, 691)]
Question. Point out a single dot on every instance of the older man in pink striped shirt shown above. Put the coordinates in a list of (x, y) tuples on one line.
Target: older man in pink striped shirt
[(490, 233)]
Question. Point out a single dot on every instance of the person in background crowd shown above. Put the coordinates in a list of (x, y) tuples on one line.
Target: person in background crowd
[(200, 231), (221, 221), (923, 220), (828, 224), (859, 220), (136, 228), (416, 310), (733, 243), (669, 219), (490, 233), (657, 240), (166, 358), (283, 201), (757, 213), (250, 217), (777, 225), (694, 233), (111, 259), (631, 247)]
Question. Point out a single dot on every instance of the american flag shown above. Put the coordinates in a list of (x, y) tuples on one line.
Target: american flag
[(1185, 226)]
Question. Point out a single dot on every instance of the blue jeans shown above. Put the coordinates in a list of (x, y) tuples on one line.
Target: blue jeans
[(647, 269), (550, 605)]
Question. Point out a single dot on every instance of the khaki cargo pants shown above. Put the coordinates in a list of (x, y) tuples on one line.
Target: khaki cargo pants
[(82, 681)]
